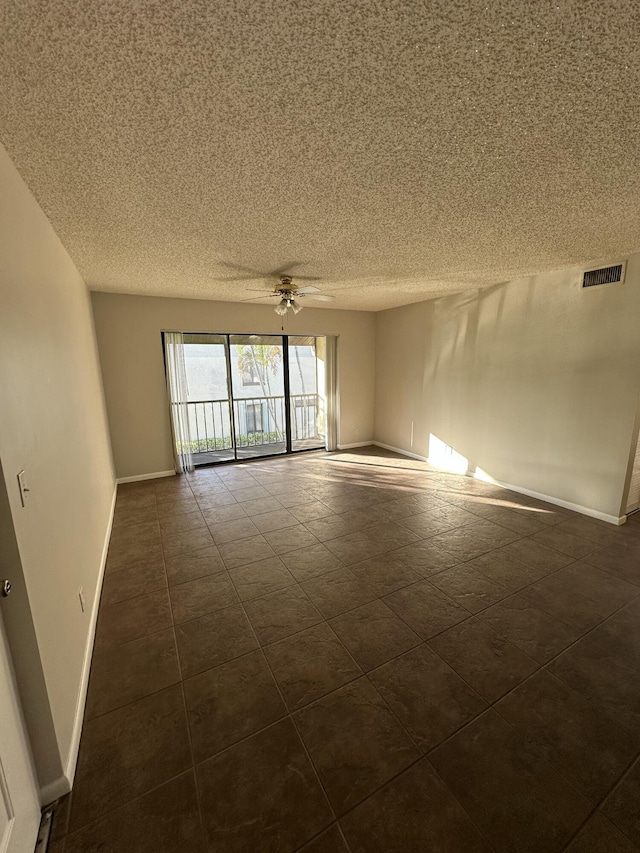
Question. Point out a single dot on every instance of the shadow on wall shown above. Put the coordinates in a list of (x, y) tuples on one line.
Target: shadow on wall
[(535, 381), (463, 311), (354, 468), (462, 369), (446, 458)]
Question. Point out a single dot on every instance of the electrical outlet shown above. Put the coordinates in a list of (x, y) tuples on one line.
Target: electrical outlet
[(82, 601)]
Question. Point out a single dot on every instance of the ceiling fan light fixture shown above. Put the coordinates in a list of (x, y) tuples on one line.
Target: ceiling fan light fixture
[(287, 301)]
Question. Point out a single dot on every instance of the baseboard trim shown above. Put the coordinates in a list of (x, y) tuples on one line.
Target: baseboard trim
[(88, 653), (52, 791), (401, 451), (156, 475), (354, 444), (583, 510)]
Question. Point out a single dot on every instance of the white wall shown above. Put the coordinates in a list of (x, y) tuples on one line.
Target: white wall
[(535, 381), (129, 339), (53, 425)]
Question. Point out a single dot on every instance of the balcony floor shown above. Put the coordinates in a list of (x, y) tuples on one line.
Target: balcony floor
[(212, 457)]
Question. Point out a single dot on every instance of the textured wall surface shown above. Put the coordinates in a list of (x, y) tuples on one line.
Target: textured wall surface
[(397, 150), (53, 426), (536, 382)]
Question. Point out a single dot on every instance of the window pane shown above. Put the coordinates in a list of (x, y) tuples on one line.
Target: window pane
[(307, 404), (257, 378), (208, 395)]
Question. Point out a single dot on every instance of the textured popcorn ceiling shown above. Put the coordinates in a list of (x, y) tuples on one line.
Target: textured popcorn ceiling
[(396, 150)]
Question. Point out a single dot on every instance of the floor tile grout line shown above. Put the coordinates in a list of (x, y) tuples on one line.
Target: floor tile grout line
[(193, 763), (318, 835), (521, 589), (577, 832), (589, 632), (628, 770), (526, 586), (613, 574), (597, 809), (464, 810), (289, 715), (170, 628), (290, 712), (589, 701), (423, 757), (286, 713), (362, 674), (356, 607), (140, 796), (491, 705), (176, 586), (203, 834), (539, 667), (424, 754), (557, 769), (427, 578), (110, 646), (378, 597)]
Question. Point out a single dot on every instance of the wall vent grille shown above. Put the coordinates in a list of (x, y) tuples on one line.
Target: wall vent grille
[(605, 275)]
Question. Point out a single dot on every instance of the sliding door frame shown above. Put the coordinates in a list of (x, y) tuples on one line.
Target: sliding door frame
[(232, 413), (231, 399), (287, 392)]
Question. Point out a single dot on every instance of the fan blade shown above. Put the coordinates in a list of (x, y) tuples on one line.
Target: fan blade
[(252, 273), (240, 278), (320, 297), (306, 277), (308, 288), (265, 292), (255, 298), (285, 269)]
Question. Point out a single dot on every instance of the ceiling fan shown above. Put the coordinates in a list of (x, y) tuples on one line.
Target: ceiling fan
[(287, 293)]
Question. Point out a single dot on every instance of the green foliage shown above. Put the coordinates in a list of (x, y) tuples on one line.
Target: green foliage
[(265, 359), (206, 444), (210, 444)]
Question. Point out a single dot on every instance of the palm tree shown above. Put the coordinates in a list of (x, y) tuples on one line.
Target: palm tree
[(297, 354), (265, 361)]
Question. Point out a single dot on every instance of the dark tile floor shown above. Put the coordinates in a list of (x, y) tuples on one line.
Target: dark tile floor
[(355, 652)]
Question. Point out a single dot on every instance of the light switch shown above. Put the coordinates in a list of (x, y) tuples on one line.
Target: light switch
[(23, 488)]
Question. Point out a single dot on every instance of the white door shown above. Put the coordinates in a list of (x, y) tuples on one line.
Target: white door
[(19, 805)]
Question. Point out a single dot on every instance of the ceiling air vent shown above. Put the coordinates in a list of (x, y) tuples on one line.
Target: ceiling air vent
[(604, 275)]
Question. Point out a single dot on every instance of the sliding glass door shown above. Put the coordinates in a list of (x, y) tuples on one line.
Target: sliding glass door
[(208, 401), (253, 395), (306, 378), (258, 386)]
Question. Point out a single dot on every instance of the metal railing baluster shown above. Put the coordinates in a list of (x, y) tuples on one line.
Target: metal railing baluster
[(213, 429)]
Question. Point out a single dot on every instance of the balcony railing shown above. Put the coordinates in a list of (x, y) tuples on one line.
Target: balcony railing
[(258, 421), (307, 417)]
